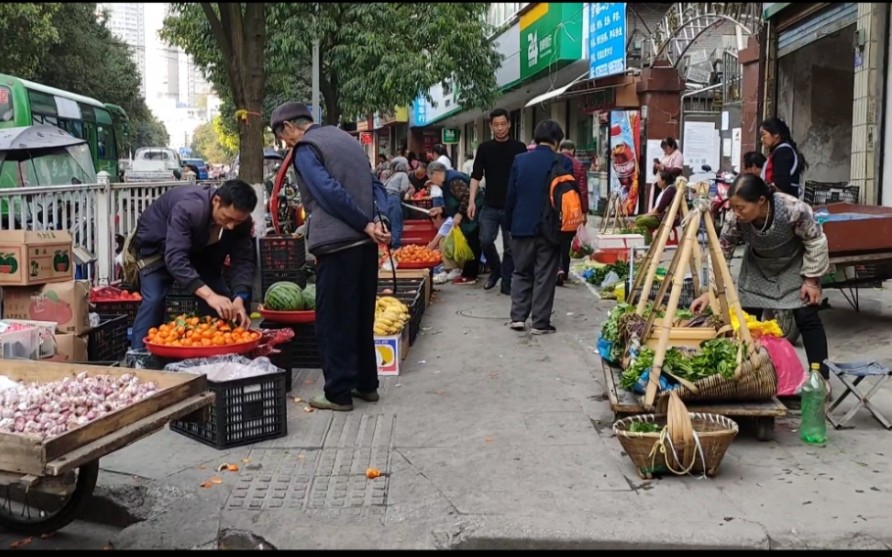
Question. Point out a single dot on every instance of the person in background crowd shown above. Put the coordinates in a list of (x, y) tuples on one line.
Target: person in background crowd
[(343, 201), (451, 270), (443, 156), (418, 177), (456, 193), (536, 259), (568, 148), (184, 236), (493, 163), (468, 166), (650, 221), (753, 162), (382, 165), (786, 255), (397, 186), (672, 161), (785, 162), (413, 160)]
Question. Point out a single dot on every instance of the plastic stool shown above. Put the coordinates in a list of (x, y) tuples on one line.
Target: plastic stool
[(859, 371), (672, 240)]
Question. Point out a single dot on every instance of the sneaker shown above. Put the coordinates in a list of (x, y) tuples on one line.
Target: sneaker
[(518, 325), (546, 331), (491, 282), (464, 280), (371, 396), (323, 403)]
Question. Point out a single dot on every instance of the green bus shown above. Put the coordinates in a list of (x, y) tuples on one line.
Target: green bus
[(24, 103)]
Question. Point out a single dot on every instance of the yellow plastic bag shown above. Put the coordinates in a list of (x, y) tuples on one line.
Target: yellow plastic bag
[(461, 250)]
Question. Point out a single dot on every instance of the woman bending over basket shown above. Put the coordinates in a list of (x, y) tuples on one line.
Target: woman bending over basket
[(786, 255)]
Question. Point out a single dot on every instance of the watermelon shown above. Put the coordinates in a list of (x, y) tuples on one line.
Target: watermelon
[(284, 296), (310, 297)]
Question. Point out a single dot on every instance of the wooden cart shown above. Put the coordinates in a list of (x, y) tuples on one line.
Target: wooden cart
[(763, 414), (58, 475)]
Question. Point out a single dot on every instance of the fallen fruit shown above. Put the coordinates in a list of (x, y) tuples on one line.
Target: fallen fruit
[(216, 480), (372, 473), (205, 484), (308, 409), (232, 468)]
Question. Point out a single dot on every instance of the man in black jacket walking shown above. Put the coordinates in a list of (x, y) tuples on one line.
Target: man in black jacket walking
[(185, 236)]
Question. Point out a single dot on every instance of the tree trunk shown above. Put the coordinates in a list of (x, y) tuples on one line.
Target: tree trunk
[(254, 87)]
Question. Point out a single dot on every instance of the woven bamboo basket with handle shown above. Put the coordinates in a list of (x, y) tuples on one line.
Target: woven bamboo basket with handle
[(656, 454)]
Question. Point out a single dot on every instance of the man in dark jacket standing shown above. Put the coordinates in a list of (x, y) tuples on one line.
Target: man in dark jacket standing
[(185, 236), (536, 259), (344, 203)]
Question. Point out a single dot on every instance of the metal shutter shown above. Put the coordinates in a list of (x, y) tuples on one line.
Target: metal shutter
[(817, 27)]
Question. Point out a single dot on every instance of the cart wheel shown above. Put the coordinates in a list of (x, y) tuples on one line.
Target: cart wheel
[(37, 513), (764, 429)]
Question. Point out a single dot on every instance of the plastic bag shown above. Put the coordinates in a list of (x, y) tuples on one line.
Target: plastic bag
[(225, 368), (641, 384), (456, 247), (789, 370), (611, 279), (583, 243)]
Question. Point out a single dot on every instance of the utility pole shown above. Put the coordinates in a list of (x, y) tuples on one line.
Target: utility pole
[(317, 104)]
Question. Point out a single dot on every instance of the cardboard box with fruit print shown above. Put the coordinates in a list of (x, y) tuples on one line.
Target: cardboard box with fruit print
[(391, 351), (66, 304), (35, 257)]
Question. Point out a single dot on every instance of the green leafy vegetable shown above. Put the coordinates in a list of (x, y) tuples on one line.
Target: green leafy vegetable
[(644, 427)]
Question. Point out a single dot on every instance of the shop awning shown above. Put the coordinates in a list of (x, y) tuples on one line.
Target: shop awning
[(555, 92)]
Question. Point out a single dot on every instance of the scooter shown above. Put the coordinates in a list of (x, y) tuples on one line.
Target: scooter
[(720, 202)]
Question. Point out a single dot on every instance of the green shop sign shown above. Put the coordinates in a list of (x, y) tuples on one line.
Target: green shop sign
[(550, 37), (450, 136)]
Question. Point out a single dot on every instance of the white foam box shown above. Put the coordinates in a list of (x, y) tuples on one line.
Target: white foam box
[(618, 241), (391, 351), (46, 335)]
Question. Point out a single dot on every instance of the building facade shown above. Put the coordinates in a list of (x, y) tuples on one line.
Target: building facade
[(127, 22)]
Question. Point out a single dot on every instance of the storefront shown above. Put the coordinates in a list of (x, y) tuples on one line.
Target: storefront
[(815, 63)]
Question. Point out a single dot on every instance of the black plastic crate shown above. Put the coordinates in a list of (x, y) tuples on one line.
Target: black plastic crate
[(687, 293), (245, 411), (108, 341), (120, 307), (178, 305), (269, 278), (282, 253), (823, 193), (301, 352)]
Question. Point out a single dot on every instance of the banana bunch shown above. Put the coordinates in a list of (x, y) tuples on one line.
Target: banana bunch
[(391, 315)]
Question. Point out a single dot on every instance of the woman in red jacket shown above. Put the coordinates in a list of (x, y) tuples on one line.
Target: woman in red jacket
[(785, 162)]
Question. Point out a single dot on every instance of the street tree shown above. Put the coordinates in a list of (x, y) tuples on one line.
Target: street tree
[(373, 56), (24, 51), (212, 143), (228, 41)]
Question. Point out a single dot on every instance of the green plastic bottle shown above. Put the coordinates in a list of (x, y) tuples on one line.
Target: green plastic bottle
[(813, 427)]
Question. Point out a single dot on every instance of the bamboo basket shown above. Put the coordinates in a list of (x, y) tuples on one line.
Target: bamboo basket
[(652, 454), (754, 380)]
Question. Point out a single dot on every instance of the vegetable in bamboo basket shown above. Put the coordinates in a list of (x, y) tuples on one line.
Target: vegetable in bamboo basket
[(716, 356)]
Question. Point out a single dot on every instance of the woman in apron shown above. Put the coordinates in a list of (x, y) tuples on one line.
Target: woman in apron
[(786, 255)]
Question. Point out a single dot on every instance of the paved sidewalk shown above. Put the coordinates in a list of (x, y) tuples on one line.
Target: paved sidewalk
[(497, 439)]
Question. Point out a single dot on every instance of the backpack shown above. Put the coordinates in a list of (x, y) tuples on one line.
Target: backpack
[(562, 213)]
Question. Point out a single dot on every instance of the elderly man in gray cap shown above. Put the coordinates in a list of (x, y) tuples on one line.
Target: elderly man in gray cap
[(344, 204)]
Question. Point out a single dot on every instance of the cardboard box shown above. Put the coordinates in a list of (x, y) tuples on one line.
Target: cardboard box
[(391, 351), (71, 348), (65, 303), (35, 257), (46, 336), (412, 273)]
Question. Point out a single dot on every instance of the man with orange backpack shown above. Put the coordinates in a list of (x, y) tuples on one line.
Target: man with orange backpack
[(543, 202)]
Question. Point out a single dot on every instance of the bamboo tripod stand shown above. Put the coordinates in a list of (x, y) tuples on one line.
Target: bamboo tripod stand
[(616, 219), (687, 256)]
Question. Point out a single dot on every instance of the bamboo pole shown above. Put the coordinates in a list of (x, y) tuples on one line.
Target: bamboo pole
[(681, 183), (690, 238), (720, 267)]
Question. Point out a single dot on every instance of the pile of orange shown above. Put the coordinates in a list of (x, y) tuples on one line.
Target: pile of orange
[(416, 254), (186, 331)]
